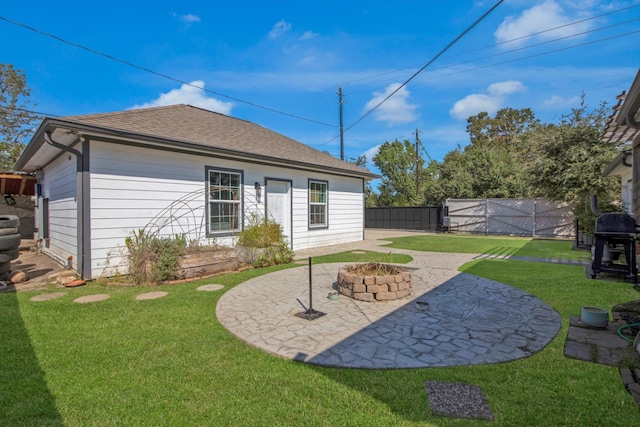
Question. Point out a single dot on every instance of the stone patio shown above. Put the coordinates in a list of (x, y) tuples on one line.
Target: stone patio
[(606, 347)]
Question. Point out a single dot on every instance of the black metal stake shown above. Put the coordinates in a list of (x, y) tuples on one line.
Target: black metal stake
[(310, 314)]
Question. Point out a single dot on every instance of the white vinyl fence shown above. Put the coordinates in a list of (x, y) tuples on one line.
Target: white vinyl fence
[(515, 217)]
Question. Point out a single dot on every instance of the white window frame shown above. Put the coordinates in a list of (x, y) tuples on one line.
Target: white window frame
[(232, 207), (313, 204)]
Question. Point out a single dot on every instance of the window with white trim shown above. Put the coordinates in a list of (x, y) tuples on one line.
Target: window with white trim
[(224, 199), (318, 204)]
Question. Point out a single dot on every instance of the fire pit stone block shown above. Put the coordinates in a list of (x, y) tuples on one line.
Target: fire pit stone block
[(374, 288)]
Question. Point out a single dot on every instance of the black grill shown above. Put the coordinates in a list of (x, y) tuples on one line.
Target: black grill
[(620, 223), (615, 234)]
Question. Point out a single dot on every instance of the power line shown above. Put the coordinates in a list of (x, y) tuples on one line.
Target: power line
[(454, 41), (515, 49), (535, 55), (6, 107), (502, 63), (550, 29), (148, 70)]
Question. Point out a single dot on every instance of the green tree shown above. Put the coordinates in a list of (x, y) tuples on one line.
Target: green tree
[(492, 164), (570, 159), (397, 162), (481, 172), (504, 130), (15, 118), (572, 155)]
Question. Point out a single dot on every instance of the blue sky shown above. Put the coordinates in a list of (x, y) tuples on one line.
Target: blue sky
[(253, 57)]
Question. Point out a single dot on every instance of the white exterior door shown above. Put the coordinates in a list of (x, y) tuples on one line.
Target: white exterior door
[(279, 205)]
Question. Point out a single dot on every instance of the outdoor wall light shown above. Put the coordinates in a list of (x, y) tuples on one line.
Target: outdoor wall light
[(258, 190)]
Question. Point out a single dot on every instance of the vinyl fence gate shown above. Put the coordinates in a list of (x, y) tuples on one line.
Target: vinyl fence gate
[(514, 217)]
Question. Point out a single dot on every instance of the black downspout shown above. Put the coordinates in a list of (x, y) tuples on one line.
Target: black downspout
[(80, 191)]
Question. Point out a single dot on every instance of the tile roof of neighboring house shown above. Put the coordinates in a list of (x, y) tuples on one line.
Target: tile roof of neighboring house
[(618, 128), (615, 132), (195, 127)]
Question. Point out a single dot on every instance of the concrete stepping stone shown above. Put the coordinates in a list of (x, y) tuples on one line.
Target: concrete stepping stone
[(458, 400), (46, 297), (209, 288), (152, 295), (92, 298)]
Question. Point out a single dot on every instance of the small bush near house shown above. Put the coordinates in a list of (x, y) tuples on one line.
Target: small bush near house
[(266, 235), (154, 259)]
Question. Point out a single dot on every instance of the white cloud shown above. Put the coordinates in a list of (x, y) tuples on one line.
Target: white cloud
[(191, 94), (490, 102), (279, 28), (474, 104), (308, 35), (536, 19), (190, 18), (396, 109), (370, 153), (505, 88), (559, 101)]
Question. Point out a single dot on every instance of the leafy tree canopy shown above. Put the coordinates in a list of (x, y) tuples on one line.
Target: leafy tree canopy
[(571, 156), (504, 130), (398, 162), (16, 120)]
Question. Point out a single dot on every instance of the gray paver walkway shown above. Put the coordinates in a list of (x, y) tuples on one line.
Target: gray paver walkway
[(451, 319)]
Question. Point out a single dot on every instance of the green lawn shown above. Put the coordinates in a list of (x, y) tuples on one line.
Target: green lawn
[(170, 362), (516, 246)]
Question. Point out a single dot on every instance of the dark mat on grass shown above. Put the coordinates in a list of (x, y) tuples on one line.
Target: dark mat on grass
[(458, 400)]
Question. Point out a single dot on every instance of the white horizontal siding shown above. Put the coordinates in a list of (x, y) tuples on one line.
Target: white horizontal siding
[(164, 192), (345, 213), (59, 186), (133, 188)]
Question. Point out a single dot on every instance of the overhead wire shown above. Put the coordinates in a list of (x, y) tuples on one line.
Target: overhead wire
[(514, 49), (414, 75), (580, 21), (38, 113), (534, 55), (442, 51), (511, 51), (431, 61), (165, 76)]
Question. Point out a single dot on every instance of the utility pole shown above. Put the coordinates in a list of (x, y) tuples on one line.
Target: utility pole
[(417, 164), (341, 128)]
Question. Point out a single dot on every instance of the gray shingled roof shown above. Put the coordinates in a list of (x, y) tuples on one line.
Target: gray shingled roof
[(185, 124)]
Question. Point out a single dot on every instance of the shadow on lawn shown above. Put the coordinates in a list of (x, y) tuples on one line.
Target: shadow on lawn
[(25, 398)]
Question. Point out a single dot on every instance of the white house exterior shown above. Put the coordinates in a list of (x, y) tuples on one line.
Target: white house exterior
[(181, 170), (624, 127), (621, 167)]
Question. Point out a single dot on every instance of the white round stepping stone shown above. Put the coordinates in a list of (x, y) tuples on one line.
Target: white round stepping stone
[(152, 295), (45, 297), (209, 288), (92, 298)]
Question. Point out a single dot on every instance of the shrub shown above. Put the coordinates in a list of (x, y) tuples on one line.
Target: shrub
[(153, 259), (265, 234), (260, 233)]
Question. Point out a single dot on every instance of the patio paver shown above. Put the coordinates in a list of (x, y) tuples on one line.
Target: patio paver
[(452, 318)]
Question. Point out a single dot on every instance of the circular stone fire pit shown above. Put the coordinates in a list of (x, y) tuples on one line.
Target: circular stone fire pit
[(374, 282)]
